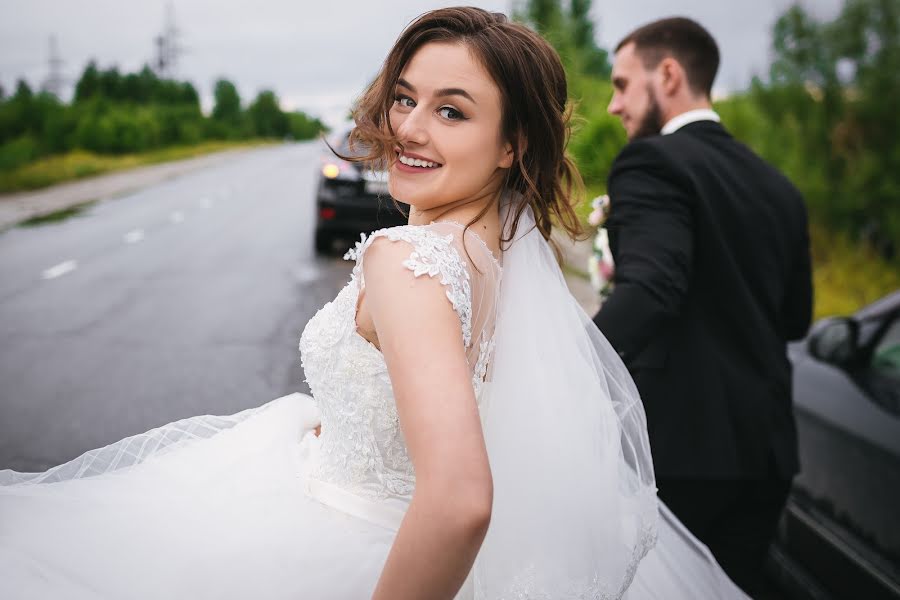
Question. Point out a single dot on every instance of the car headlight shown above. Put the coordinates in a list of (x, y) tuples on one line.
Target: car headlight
[(331, 170)]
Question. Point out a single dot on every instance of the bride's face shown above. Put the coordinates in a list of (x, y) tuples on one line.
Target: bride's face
[(447, 113)]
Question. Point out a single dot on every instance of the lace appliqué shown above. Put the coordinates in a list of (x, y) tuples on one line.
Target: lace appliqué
[(362, 448), (485, 351), (525, 587), (432, 255)]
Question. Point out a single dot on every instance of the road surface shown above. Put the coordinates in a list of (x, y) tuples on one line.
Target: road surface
[(187, 297)]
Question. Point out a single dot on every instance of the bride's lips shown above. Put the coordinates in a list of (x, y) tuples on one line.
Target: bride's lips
[(411, 169)]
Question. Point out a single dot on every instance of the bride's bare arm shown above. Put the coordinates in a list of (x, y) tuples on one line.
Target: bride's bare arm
[(421, 339)]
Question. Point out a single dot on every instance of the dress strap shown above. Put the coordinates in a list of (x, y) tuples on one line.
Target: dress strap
[(432, 254)]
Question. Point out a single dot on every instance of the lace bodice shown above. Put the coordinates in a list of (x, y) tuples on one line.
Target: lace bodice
[(362, 450)]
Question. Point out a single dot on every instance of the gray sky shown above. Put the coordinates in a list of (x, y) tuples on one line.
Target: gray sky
[(317, 56)]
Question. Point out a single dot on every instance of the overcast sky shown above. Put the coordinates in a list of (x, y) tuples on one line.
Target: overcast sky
[(317, 56)]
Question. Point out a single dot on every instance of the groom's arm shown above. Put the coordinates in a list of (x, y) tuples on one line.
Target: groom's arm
[(651, 237)]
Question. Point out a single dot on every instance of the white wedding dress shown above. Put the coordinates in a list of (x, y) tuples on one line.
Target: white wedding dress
[(254, 505)]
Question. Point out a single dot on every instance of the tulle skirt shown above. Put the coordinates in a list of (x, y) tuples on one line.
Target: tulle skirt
[(217, 507)]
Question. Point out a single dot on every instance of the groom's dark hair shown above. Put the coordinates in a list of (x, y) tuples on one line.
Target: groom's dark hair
[(682, 39)]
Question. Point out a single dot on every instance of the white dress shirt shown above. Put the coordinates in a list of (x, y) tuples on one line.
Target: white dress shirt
[(691, 116)]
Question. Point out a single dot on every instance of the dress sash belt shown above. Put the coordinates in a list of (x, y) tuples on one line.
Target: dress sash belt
[(386, 513)]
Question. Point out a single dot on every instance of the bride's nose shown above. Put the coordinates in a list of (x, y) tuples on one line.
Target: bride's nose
[(413, 128)]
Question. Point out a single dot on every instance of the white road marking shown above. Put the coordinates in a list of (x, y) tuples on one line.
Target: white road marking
[(134, 236), (176, 217), (60, 269)]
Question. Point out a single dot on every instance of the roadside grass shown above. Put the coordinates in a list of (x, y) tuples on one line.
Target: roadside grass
[(79, 163), (847, 275), (56, 216)]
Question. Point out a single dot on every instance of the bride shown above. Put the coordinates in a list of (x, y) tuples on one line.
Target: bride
[(471, 434)]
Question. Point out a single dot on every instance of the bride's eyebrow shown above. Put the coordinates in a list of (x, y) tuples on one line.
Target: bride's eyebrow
[(439, 93)]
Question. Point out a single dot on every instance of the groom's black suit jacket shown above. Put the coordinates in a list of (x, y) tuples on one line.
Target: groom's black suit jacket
[(712, 278)]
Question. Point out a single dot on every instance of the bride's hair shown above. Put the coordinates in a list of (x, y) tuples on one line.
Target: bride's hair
[(535, 110)]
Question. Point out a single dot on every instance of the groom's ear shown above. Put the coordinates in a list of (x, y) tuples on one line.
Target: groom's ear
[(672, 76)]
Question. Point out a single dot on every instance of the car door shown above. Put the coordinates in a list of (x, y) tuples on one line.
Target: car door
[(844, 520)]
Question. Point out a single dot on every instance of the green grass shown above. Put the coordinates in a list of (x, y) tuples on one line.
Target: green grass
[(56, 216), (847, 275), (78, 164)]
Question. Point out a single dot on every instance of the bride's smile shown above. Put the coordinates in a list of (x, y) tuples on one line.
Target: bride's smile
[(491, 445), (447, 115), (414, 163)]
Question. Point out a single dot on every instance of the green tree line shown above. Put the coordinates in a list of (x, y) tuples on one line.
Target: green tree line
[(825, 113), (116, 113)]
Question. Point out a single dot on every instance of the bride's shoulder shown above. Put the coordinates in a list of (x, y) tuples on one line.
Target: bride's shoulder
[(444, 247), (419, 237), (393, 259), (433, 248)]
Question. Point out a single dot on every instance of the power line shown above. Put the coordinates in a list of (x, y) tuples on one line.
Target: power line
[(55, 81), (168, 46)]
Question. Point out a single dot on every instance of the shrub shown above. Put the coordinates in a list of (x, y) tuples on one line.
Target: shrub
[(17, 152)]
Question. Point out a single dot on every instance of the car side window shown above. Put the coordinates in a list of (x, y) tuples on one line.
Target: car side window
[(886, 354)]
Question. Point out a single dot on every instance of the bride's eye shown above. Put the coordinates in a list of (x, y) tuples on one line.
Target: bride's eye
[(451, 114), (404, 101)]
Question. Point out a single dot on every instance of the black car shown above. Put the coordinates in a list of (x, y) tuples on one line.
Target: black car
[(351, 198), (840, 534)]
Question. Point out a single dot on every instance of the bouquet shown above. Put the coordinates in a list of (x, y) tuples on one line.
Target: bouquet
[(600, 263)]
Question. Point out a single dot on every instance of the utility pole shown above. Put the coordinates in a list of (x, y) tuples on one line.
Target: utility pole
[(55, 80), (168, 48)]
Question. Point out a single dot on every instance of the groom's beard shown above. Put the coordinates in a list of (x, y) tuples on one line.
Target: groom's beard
[(651, 123)]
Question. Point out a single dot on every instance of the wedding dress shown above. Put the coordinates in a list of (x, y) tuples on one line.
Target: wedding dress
[(254, 505)]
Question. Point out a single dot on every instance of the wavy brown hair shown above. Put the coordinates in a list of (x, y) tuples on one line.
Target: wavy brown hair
[(535, 110)]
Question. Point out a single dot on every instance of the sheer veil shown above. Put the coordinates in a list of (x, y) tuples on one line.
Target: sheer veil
[(575, 505)]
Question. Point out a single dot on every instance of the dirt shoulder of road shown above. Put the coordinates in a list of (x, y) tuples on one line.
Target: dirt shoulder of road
[(18, 207)]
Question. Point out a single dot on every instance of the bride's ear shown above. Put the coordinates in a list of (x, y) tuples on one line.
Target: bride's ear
[(509, 155)]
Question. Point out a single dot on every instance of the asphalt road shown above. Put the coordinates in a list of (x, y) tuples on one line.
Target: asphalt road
[(185, 298)]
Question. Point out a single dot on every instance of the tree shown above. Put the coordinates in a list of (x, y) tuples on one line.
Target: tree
[(304, 127), (595, 60), (140, 87), (188, 94), (227, 107), (546, 16), (88, 85), (839, 81), (571, 32), (116, 112), (24, 109), (266, 116), (23, 92), (18, 114), (110, 84)]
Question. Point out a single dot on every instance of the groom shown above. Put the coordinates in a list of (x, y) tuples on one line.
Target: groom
[(712, 279)]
